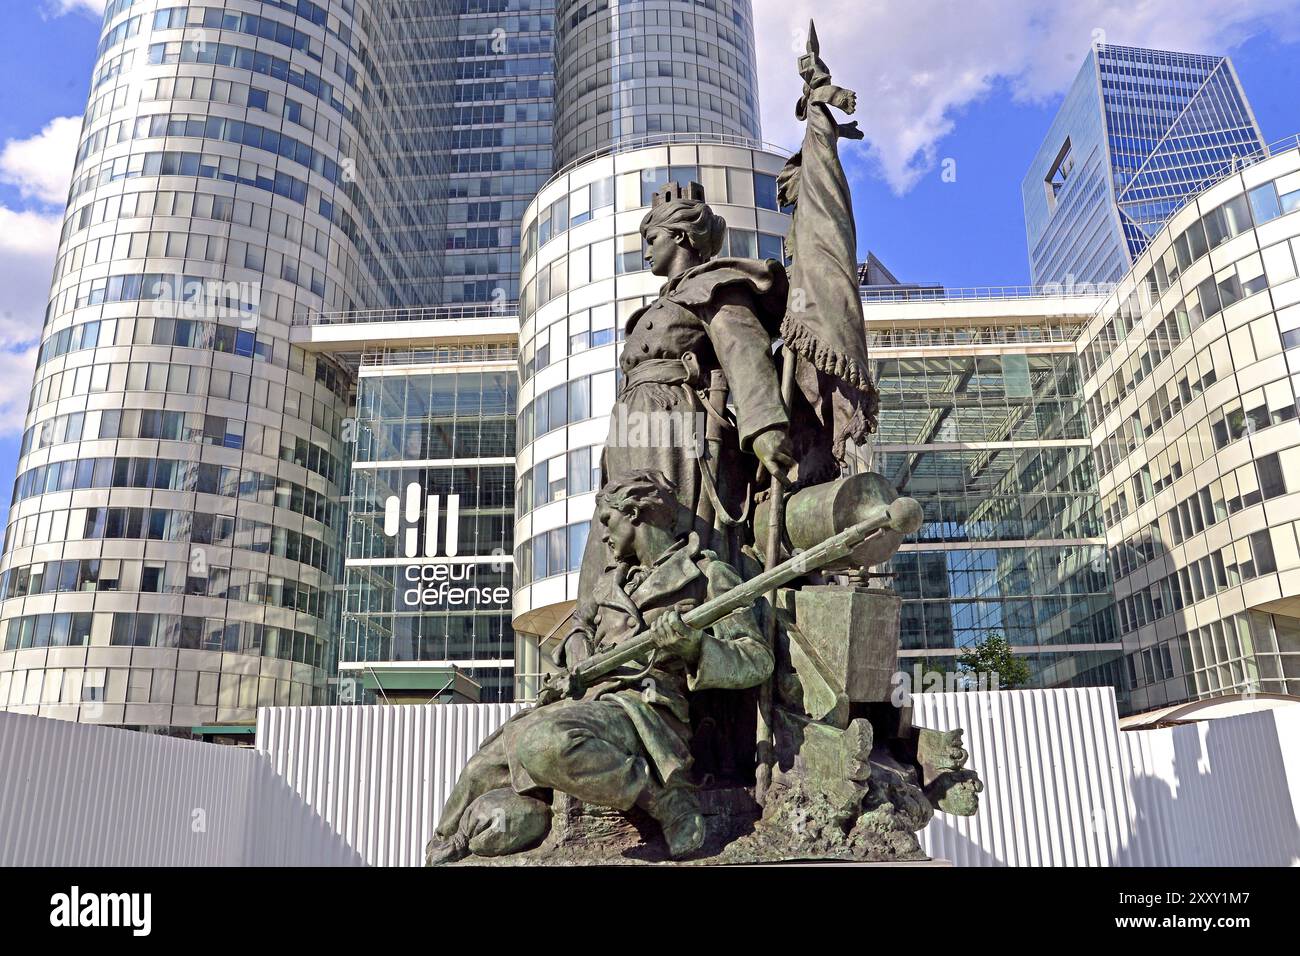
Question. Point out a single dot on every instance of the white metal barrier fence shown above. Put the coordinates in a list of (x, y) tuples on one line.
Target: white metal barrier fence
[(379, 774), (1063, 785), (353, 784), (80, 795)]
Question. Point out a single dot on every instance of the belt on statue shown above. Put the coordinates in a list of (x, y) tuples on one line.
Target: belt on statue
[(657, 372), (686, 372)]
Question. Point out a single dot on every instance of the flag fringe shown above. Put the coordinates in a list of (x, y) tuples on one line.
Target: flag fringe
[(824, 358)]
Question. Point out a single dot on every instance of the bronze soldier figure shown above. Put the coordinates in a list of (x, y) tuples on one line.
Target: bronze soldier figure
[(625, 741)]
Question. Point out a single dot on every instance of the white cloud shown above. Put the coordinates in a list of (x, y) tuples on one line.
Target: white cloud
[(916, 64), (41, 167), (60, 7), (28, 244), (16, 368)]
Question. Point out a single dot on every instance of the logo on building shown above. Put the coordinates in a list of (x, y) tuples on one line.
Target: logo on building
[(416, 500), (438, 583)]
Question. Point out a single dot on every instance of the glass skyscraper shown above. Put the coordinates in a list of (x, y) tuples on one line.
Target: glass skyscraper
[(1189, 369), (498, 133), (651, 71), (1139, 133), (441, 418), (437, 419), (176, 533)]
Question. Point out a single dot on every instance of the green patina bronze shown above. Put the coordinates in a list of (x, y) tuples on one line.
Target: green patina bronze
[(725, 692)]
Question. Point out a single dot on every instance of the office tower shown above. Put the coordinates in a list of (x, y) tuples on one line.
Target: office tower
[(175, 537), (436, 383), (439, 387), (502, 98), (1187, 370), (652, 71), (1139, 133)]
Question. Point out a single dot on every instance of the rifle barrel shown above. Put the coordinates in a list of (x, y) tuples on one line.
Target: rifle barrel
[(903, 515)]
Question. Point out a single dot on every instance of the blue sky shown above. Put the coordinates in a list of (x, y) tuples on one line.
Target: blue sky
[(975, 81)]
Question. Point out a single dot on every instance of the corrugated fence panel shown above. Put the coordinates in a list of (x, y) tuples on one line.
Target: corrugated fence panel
[(379, 774), (1217, 793), (1065, 787), (353, 784), (79, 795), (1054, 780)]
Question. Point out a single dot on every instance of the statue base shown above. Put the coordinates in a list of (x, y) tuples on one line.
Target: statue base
[(799, 824)]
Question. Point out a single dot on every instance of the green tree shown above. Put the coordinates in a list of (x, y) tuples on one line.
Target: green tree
[(993, 656)]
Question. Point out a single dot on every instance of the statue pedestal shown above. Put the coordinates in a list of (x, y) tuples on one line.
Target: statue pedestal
[(738, 834)]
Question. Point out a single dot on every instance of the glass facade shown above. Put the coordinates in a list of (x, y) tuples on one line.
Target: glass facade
[(1193, 402), (501, 106), (450, 434), (175, 539), (498, 108), (643, 71), (1139, 133), (983, 422)]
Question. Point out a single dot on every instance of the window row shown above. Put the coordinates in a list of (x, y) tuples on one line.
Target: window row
[(198, 527), (479, 487), (208, 89), (1239, 349), (195, 247), (1228, 567), (97, 688), (1260, 205), (744, 187), (573, 473), (1213, 294), (222, 129), (171, 475), (558, 551), (165, 630), (473, 437), (200, 165), (439, 395), (153, 423), (626, 254), (566, 404), (587, 329), (166, 577), (255, 61), (179, 379), (1260, 480)]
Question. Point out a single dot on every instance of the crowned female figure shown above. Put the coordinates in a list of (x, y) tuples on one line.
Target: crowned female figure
[(710, 329)]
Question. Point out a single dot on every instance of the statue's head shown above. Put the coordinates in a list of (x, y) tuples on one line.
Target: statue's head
[(636, 513), (680, 230)]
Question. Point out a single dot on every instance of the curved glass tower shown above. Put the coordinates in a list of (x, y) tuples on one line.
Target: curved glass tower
[(175, 536), (644, 70)]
